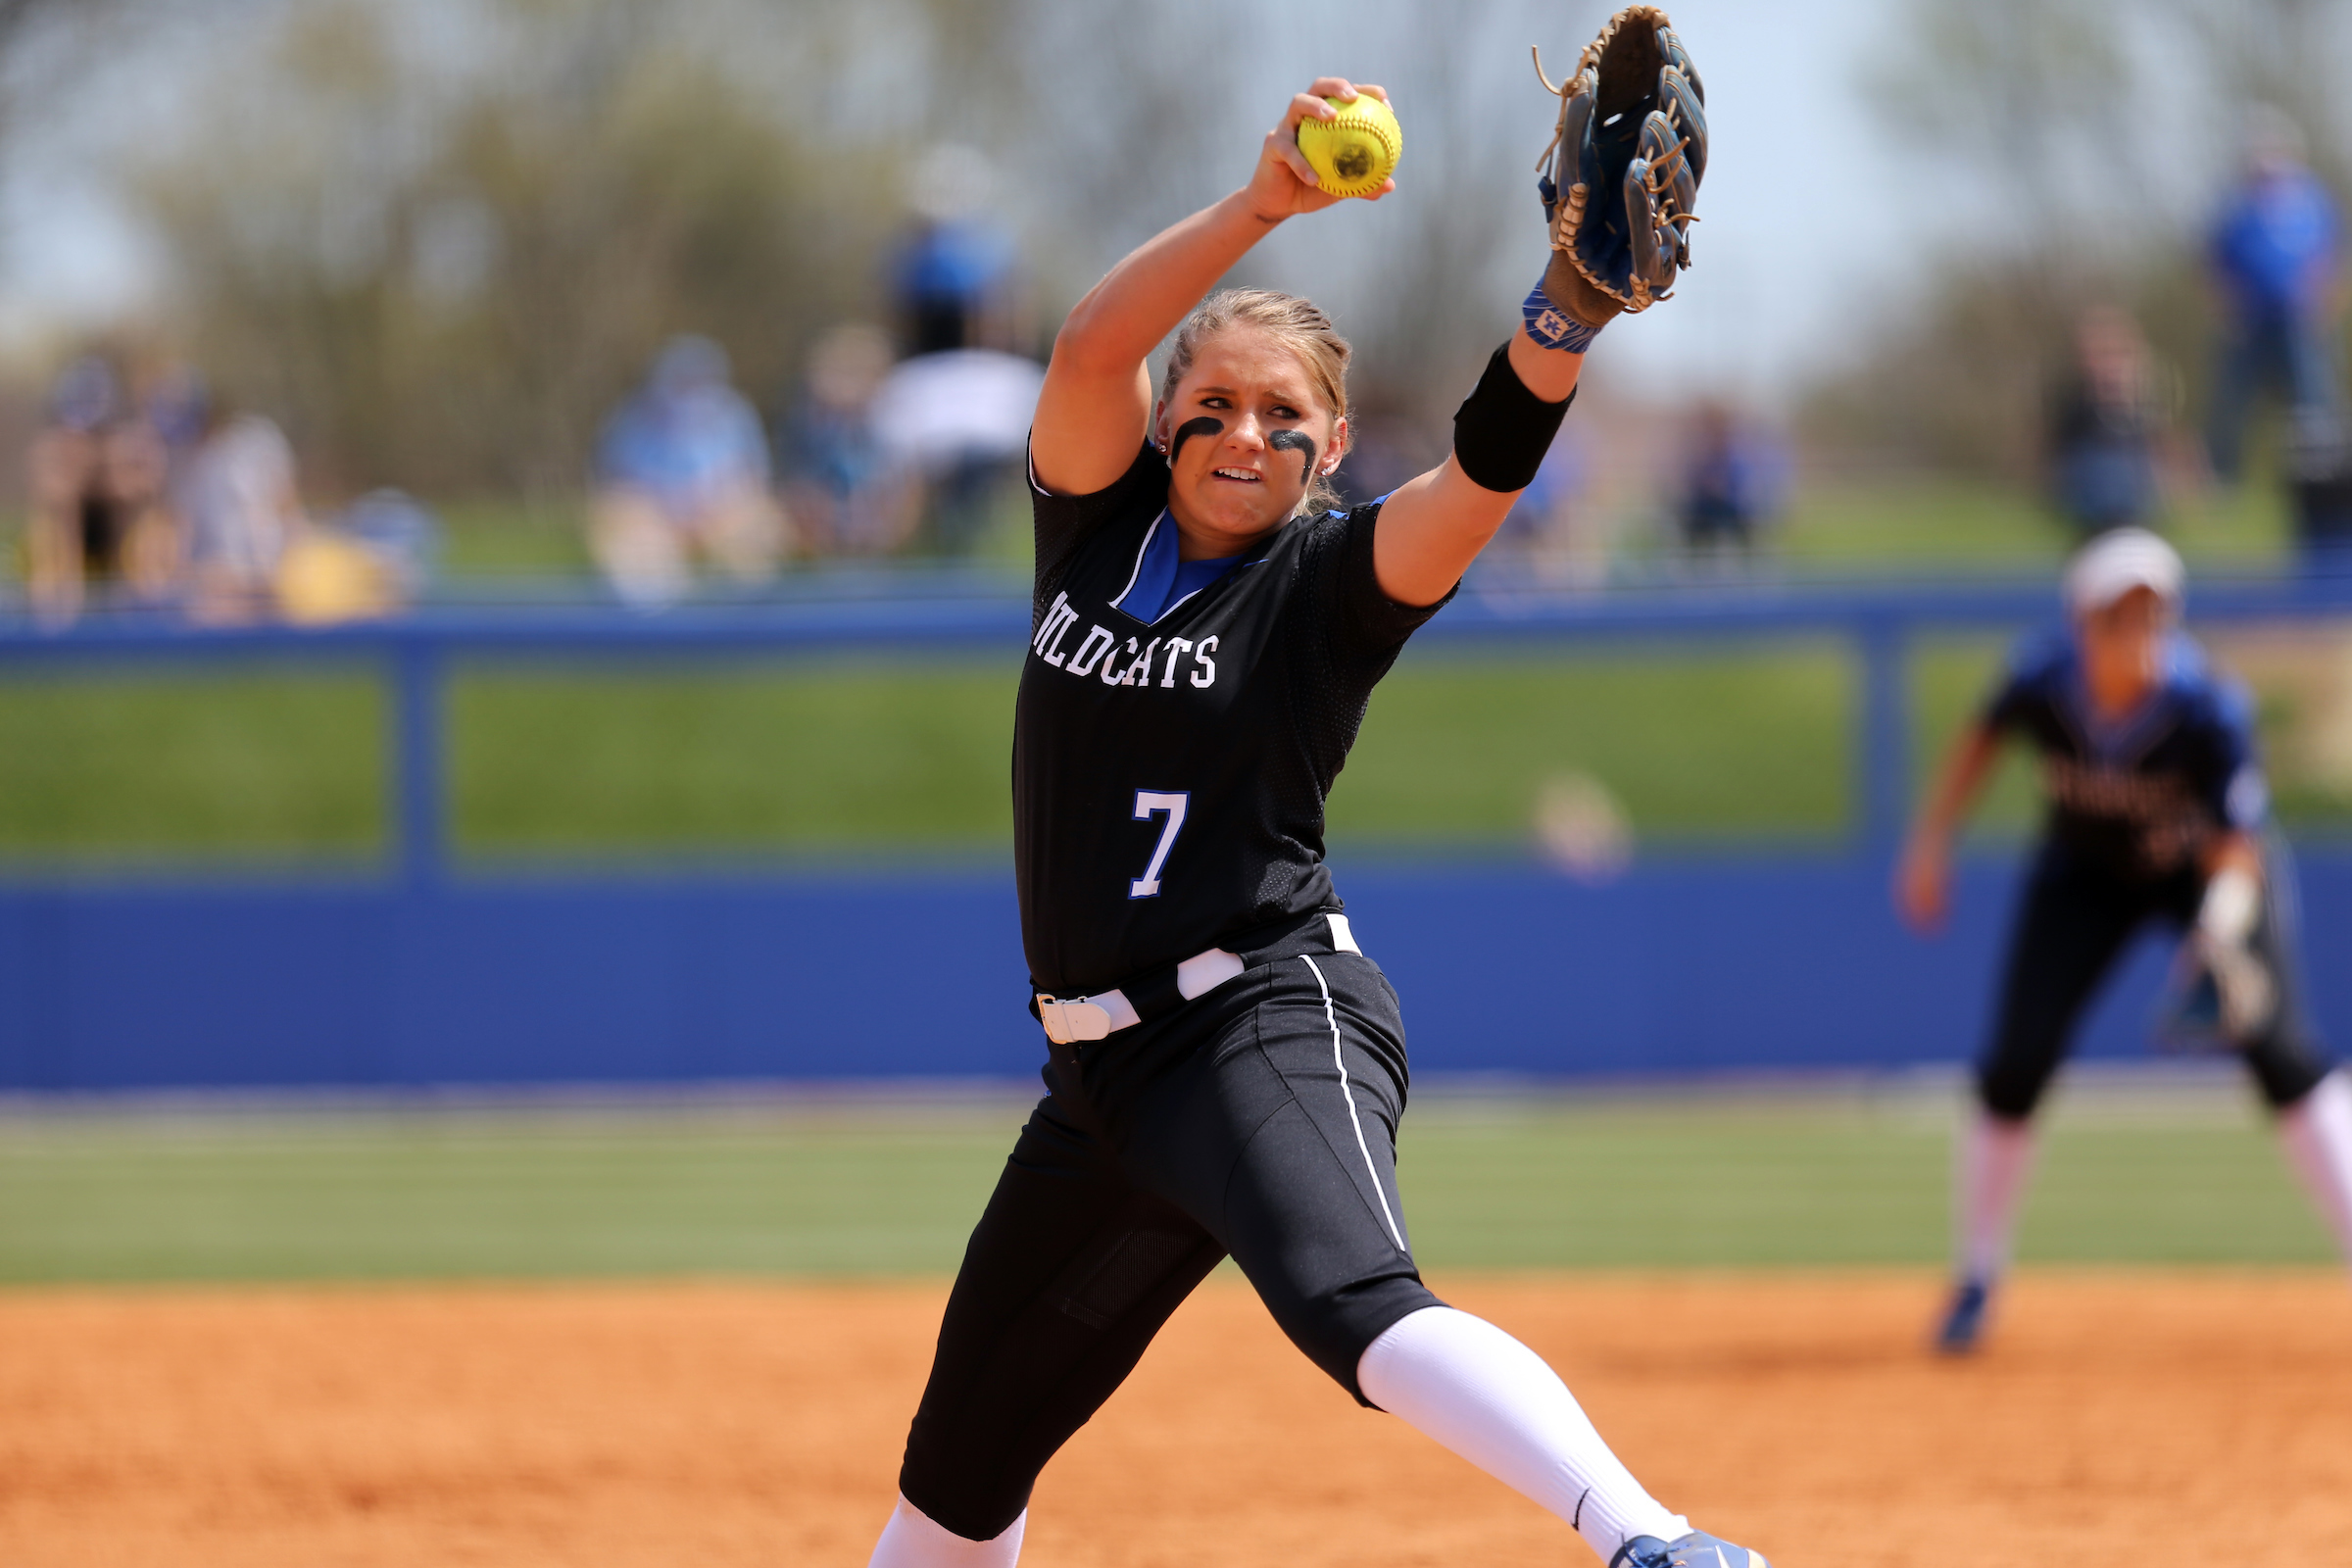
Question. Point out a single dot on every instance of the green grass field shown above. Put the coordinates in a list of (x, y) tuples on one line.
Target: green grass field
[(856, 756), (889, 755), (1540, 1181), (910, 755), (283, 760)]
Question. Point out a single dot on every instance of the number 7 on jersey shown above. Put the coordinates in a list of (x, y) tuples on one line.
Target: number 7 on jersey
[(1150, 803)]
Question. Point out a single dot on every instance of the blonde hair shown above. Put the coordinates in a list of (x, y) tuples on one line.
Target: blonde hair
[(1302, 327)]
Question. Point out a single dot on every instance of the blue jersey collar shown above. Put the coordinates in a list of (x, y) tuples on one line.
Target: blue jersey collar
[(1162, 580)]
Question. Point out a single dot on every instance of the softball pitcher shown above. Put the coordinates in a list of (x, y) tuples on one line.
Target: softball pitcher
[(1226, 1068)]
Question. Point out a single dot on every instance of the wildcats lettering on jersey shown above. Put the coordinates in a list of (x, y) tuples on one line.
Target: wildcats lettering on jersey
[(1090, 652), (1059, 620), (1099, 650)]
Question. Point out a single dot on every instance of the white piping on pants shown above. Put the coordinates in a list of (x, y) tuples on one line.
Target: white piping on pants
[(1348, 1095)]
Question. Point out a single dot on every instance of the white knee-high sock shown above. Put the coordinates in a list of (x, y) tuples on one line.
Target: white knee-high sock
[(2317, 1133), (911, 1540), (1995, 1156), (1477, 1391)]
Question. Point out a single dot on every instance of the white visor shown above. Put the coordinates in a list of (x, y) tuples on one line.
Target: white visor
[(2114, 564)]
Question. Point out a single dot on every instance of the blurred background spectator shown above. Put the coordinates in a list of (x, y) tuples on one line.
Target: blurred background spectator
[(2106, 423), (959, 421), (372, 560), (954, 272), (175, 498), (176, 401), (682, 471), (2276, 260), (953, 414), (98, 528), (846, 495), (1732, 479), (401, 532), (243, 510)]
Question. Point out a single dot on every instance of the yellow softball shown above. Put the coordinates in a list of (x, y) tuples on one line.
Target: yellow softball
[(1354, 153)]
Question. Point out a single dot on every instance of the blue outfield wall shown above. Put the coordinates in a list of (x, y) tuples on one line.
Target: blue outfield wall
[(1755, 963)]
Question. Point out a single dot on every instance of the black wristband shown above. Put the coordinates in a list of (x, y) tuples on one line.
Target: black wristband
[(1502, 430)]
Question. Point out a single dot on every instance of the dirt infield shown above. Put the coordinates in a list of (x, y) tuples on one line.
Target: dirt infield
[(2148, 1419)]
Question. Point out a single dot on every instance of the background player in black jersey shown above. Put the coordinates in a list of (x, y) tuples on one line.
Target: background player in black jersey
[(1226, 1068), (2157, 806)]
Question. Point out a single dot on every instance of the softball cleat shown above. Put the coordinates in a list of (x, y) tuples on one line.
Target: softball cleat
[(1964, 1320), (1697, 1549)]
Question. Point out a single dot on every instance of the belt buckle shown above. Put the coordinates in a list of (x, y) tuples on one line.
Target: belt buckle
[(1073, 1021)]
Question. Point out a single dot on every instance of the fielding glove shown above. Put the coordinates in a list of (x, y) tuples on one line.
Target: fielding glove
[(1621, 172), (2223, 993)]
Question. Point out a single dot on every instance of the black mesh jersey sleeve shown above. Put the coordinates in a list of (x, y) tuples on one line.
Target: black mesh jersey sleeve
[(2024, 692), (1063, 523), (1370, 625)]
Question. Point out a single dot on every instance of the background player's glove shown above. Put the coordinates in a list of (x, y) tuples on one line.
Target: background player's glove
[(1622, 173), (2243, 984), (2220, 998), (2223, 993)]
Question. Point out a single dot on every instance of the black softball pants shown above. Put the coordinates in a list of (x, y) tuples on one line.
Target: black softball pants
[(1258, 1120), (2075, 918)]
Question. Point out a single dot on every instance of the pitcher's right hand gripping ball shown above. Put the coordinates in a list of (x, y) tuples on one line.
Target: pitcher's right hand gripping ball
[(1623, 169), (1354, 153)]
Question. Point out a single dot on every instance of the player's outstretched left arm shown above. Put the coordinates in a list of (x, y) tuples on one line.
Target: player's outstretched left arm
[(1434, 526), (1923, 879), (1096, 400), (1618, 183)]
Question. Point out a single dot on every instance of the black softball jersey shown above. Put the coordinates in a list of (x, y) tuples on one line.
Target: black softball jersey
[(2141, 797), (1179, 726)]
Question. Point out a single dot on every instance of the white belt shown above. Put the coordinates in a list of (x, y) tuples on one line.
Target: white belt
[(1075, 1018), (1069, 1020)]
